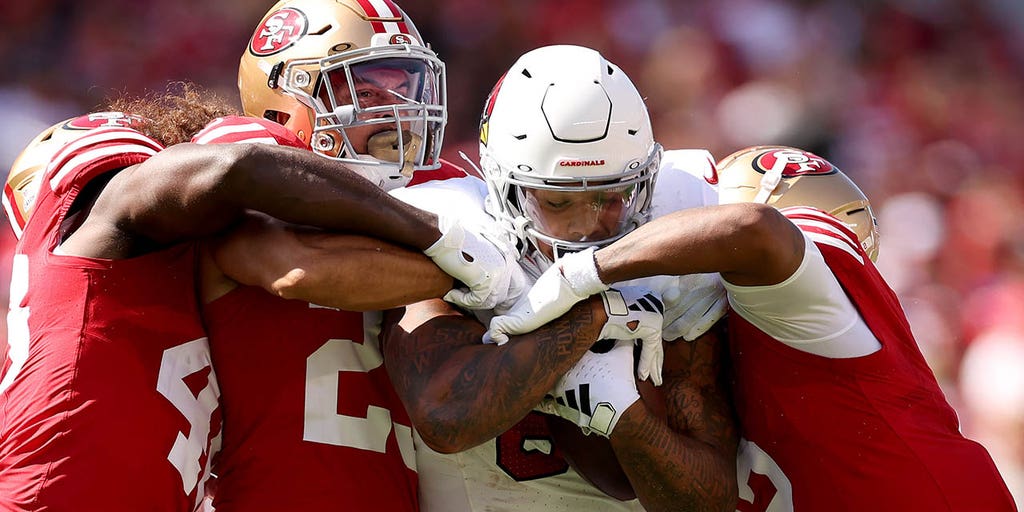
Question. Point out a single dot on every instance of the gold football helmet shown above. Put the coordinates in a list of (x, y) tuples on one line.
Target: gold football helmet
[(308, 59), (23, 179), (784, 176)]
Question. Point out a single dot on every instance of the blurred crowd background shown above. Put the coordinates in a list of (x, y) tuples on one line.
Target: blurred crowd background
[(921, 102)]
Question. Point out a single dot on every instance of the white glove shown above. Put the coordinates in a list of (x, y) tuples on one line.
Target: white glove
[(635, 313), (488, 267), (571, 279), (597, 390), (693, 306)]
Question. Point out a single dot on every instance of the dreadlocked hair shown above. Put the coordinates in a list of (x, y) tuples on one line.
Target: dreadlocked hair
[(175, 115)]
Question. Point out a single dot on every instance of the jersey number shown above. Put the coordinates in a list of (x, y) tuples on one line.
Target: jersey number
[(188, 452), (763, 485), (322, 422), (17, 321)]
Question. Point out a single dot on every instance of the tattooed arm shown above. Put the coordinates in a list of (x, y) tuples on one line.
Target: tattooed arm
[(460, 392), (688, 463)]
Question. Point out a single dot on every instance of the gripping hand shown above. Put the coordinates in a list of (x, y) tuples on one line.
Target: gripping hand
[(569, 280), (488, 267), (597, 390), (635, 313), (693, 305)]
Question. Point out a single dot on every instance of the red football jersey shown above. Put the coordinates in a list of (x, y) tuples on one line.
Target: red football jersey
[(866, 433), (311, 419), (107, 400)]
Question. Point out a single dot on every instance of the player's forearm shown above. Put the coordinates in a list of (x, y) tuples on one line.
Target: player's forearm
[(741, 241), (670, 471), (349, 272), (356, 274), (688, 456), (463, 396), (305, 188)]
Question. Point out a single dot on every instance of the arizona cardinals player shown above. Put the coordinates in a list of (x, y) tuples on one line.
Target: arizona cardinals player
[(570, 160), (311, 419), (838, 409)]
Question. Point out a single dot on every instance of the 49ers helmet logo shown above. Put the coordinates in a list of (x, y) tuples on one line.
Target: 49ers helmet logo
[(98, 119), (279, 31), (400, 39), (795, 163)]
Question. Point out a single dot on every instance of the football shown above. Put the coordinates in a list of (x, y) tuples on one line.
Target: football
[(592, 456)]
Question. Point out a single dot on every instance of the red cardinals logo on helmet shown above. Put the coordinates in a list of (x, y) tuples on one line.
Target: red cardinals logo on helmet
[(794, 163), (711, 171), (488, 108), (279, 31)]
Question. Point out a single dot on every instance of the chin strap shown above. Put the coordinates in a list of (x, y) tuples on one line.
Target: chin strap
[(382, 175)]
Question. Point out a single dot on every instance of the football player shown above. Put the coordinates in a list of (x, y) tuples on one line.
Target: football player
[(311, 419), (838, 409), (108, 367), (569, 156)]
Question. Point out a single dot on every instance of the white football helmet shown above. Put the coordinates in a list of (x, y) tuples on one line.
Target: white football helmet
[(308, 59), (568, 153), (23, 180), (783, 176)]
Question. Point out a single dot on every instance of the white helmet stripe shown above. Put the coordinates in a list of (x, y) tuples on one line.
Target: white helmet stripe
[(384, 9), (220, 133), (89, 156)]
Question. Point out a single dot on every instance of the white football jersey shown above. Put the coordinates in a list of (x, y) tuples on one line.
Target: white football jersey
[(521, 470)]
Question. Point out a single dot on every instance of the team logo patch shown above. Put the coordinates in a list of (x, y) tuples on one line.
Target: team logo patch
[(278, 32), (400, 39), (98, 119), (795, 163)]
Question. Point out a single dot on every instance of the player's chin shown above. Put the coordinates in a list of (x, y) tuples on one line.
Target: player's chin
[(592, 457)]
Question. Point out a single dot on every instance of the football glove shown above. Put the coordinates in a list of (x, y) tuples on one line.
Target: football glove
[(488, 267), (635, 313), (693, 306), (569, 280)]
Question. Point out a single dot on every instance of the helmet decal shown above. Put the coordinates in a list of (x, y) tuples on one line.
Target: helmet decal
[(795, 163), (278, 32), (98, 119), (711, 171), (385, 16), (576, 162), (488, 108)]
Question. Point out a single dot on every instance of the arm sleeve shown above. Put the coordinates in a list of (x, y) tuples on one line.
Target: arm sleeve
[(808, 311), (456, 197)]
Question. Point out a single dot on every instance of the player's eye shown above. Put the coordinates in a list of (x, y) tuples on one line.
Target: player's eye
[(558, 205)]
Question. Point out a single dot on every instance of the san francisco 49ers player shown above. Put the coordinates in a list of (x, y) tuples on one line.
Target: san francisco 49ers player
[(108, 367), (107, 371), (570, 159), (837, 407), (311, 420)]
